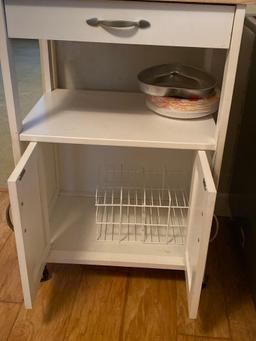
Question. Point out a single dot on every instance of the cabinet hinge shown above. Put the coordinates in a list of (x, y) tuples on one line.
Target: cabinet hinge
[(22, 174), (204, 183)]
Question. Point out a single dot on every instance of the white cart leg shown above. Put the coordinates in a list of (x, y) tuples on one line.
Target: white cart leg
[(227, 89), (49, 83), (10, 87)]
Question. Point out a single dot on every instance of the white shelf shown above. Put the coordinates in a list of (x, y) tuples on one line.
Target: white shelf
[(111, 118), (74, 240)]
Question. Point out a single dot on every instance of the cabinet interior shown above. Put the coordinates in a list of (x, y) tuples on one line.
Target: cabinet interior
[(117, 200), (114, 67)]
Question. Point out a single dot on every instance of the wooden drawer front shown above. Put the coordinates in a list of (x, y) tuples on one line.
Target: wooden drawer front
[(170, 24)]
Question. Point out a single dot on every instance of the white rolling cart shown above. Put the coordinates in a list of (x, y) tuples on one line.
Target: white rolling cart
[(99, 179)]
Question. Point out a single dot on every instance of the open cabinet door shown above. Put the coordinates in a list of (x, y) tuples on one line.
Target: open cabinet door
[(202, 202), (29, 214)]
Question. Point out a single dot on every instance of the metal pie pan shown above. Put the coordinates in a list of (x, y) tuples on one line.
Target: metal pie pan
[(176, 80)]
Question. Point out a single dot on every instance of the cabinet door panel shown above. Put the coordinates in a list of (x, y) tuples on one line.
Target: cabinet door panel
[(202, 202), (28, 204)]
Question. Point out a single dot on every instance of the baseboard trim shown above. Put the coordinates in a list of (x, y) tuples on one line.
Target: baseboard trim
[(3, 189)]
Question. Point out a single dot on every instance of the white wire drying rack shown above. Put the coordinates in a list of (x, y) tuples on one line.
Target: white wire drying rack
[(145, 214)]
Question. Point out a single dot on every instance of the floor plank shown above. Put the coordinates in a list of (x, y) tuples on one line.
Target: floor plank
[(53, 306), (198, 338), (4, 199), (212, 320), (150, 312), (97, 313), (239, 305), (10, 285), (5, 232), (243, 331), (8, 315)]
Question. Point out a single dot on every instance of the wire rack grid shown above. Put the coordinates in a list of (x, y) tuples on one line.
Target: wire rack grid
[(149, 215)]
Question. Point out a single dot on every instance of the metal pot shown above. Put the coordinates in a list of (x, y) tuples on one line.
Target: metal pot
[(176, 80)]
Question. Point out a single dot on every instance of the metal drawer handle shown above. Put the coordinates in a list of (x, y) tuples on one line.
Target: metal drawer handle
[(122, 24)]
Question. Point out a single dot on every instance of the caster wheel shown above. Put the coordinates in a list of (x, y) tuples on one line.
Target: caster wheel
[(8, 217), (46, 275)]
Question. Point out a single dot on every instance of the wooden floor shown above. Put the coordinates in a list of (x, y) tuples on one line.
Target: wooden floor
[(99, 303)]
